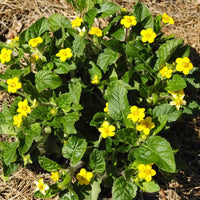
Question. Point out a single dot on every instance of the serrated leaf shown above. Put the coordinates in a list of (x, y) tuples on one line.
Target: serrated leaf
[(97, 161), (57, 21), (89, 17), (150, 187), (74, 149), (119, 34), (165, 51), (25, 144), (48, 164), (94, 71), (75, 89), (68, 195), (8, 170), (118, 105), (98, 119), (143, 15), (108, 8), (47, 79), (127, 135), (10, 152), (123, 189), (40, 112), (107, 58), (63, 67), (64, 101), (78, 46), (176, 83), (156, 150)]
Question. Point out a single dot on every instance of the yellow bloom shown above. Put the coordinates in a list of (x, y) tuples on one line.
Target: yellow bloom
[(96, 31), (41, 186), (24, 108), (106, 108), (54, 176), (15, 39), (184, 64), (106, 130), (77, 22), (84, 177), (5, 55), (35, 41), (17, 120), (166, 72), (34, 58), (137, 114), (128, 21), (146, 125), (64, 54), (178, 101), (13, 85), (146, 172), (178, 93), (123, 9), (148, 35), (95, 80), (167, 19)]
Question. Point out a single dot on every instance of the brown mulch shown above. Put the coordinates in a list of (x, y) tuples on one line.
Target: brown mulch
[(16, 16)]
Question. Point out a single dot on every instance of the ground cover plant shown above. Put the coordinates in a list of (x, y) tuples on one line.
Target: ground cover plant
[(90, 102)]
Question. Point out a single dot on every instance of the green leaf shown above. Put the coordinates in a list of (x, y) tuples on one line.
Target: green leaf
[(68, 195), (78, 46), (68, 122), (75, 89), (89, 17), (94, 71), (40, 112), (119, 34), (8, 170), (63, 67), (98, 119), (150, 187), (118, 105), (108, 57), (108, 8), (176, 83), (57, 21), (47, 79), (35, 129), (64, 101), (74, 149), (25, 144), (156, 150), (123, 189), (51, 192), (48, 164), (127, 135), (143, 15), (167, 111), (97, 161), (165, 51), (10, 153), (37, 29)]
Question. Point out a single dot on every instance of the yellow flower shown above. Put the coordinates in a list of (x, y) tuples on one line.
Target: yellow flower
[(137, 114), (146, 172), (77, 22), (5, 55), (107, 130), (17, 120), (123, 9), (54, 176), (178, 93), (15, 39), (84, 177), (24, 108), (167, 19), (184, 64), (166, 72), (146, 125), (178, 101), (13, 85), (128, 21), (148, 35), (34, 58), (53, 111), (64, 54), (41, 186), (96, 31), (35, 41), (95, 80), (106, 108), (82, 31)]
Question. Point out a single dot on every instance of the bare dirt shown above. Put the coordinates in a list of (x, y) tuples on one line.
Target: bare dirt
[(16, 16)]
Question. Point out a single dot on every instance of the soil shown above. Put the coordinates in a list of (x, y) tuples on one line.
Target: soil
[(16, 16)]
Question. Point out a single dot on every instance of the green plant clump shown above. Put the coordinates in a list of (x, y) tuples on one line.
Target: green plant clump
[(90, 101)]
